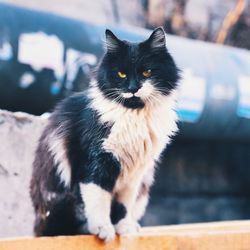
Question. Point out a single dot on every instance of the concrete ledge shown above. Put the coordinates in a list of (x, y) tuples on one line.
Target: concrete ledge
[(232, 235), (19, 133)]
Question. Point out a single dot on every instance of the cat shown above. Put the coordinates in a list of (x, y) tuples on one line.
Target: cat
[(95, 161)]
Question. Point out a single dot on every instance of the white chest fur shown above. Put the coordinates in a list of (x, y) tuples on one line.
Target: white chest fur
[(137, 137)]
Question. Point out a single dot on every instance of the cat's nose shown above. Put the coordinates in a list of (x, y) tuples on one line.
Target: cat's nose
[(133, 87)]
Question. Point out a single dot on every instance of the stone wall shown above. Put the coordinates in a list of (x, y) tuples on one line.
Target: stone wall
[(18, 135)]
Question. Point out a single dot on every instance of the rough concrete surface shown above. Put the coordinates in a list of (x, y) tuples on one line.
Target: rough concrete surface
[(19, 133)]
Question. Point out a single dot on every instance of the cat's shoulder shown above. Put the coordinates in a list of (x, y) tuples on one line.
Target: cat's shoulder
[(71, 109), (74, 102)]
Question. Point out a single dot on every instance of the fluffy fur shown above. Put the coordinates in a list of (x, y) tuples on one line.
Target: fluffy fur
[(95, 161)]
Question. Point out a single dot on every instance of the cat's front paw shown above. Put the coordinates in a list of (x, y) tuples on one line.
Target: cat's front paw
[(105, 232), (127, 226)]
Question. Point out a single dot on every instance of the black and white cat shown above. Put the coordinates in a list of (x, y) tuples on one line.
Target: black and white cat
[(95, 161)]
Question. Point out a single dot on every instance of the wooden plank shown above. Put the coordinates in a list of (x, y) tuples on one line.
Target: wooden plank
[(225, 226), (234, 235)]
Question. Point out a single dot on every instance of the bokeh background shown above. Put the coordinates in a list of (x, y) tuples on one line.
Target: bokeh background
[(48, 50)]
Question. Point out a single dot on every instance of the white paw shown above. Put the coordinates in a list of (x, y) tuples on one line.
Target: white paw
[(127, 226), (105, 232)]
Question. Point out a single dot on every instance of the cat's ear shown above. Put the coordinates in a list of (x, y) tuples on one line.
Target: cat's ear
[(112, 42), (157, 39)]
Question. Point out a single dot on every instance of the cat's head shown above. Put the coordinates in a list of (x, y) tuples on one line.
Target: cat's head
[(136, 73)]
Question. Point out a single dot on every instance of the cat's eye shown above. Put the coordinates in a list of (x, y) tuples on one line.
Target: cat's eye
[(121, 74), (146, 73)]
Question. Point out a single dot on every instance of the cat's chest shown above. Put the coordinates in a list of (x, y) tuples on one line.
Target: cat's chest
[(129, 140), (137, 138)]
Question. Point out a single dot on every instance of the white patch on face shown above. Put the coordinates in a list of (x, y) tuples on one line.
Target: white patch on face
[(57, 148), (97, 203), (127, 95), (145, 91)]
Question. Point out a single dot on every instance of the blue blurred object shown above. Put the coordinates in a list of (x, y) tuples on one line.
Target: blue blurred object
[(45, 57)]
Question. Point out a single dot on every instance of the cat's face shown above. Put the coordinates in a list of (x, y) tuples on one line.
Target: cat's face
[(136, 73)]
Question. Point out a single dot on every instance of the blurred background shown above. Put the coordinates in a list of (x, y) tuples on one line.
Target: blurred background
[(48, 50)]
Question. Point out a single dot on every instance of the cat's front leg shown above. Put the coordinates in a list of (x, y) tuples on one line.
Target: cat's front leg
[(97, 202), (134, 198), (96, 188), (143, 195), (127, 197)]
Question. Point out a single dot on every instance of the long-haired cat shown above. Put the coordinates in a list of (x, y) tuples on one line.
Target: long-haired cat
[(95, 161)]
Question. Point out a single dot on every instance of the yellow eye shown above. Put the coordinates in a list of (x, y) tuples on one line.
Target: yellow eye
[(146, 73), (121, 75)]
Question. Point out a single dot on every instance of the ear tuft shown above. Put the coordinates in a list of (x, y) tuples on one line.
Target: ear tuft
[(157, 38), (112, 42)]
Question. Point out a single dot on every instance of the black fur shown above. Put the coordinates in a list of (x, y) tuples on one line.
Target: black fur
[(102, 170), (118, 212), (59, 208), (66, 217)]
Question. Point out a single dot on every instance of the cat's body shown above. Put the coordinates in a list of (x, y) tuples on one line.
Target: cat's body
[(95, 161)]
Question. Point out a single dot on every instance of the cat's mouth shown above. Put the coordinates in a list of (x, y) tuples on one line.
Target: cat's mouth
[(128, 95), (133, 102), (142, 93)]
